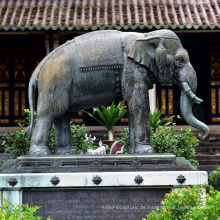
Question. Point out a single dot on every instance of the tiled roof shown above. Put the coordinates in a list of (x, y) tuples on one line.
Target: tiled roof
[(109, 14)]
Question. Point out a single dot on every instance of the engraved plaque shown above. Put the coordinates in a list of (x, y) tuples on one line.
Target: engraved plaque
[(95, 204)]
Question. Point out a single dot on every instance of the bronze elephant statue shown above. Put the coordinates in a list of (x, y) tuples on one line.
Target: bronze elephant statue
[(97, 68)]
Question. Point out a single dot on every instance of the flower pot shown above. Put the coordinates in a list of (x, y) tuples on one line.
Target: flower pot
[(108, 142)]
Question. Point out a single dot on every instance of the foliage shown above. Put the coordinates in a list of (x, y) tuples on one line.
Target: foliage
[(188, 203), (214, 179), (210, 211), (156, 120), (2, 162), (81, 141), (168, 140), (52, 145), (16, 142), (109, 115), (9, 211), (181, 143), (28, 116), (125, 141)]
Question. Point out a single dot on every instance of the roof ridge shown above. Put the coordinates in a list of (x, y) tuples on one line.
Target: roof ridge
[(109, 14)]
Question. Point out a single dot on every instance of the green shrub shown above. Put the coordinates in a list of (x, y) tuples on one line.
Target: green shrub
[(2, 162), (9, 211), (16, 142), (188, 203), (181, 143), (177, 204), (81, 141), (28, 116), (214, 179), (209, 211), (167, 140)]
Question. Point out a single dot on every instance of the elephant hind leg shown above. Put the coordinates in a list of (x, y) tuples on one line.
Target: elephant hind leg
[(40, 137), (63, 136)]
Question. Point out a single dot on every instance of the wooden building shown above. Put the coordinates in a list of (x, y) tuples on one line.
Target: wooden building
[(29, 29)]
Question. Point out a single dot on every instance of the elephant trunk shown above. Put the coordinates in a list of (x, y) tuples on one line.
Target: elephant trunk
[(186, 101)]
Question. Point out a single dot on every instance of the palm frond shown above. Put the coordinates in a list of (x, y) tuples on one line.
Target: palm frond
[(109, 115)]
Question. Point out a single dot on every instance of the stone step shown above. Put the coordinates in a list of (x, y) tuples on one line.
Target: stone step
[(208, 157), (207, 150), (209, 144), (207, 168), (209, 162)]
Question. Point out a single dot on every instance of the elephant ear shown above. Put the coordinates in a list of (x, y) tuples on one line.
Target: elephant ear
[(149, 52)]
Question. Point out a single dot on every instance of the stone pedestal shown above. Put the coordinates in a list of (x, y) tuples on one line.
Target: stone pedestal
[(97, 187)]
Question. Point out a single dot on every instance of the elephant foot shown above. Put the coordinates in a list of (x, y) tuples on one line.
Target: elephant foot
[(65, 151), (39, 150), (144, 148)]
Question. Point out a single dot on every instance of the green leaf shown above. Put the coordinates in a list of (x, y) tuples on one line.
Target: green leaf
[(92, 116), (109, 115)]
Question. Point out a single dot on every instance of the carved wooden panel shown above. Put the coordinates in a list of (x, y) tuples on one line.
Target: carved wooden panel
[(170, 101), (215, 65), (15, 72), (77, 120), (23, 102), (4, 66), (213, 101), (4, 121), (16, 103), (7, 103), (215, 87), (0, 103), (163, 100), (5, 85), (19, 67), (19, 85), (22, 121), (215, 119), (124, 120)]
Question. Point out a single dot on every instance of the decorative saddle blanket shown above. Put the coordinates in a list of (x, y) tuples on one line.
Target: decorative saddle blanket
[(99, 50)]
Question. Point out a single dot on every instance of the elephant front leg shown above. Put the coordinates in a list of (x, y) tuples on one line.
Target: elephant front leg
[(139, 122), (63, 136)]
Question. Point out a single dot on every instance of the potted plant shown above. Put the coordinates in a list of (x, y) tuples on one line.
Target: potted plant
[(108, 117), (157, 120)]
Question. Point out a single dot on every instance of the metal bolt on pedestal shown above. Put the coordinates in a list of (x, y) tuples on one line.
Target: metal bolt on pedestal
[(181, 179), (12, 181), (97, 180), (138, 179), (55, 180)]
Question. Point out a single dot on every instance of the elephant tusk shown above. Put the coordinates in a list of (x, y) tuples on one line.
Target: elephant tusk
[(188, 91)]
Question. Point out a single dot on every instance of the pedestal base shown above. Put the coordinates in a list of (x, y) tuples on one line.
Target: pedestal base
[(96, 187), (95, 195), (100, 163)]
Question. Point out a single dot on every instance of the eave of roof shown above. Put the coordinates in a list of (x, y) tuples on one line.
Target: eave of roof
[(109, 14)]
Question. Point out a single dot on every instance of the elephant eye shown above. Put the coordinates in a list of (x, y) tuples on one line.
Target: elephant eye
[(180, 61)]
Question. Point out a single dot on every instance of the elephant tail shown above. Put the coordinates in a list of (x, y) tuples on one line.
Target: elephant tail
[(29, 130)]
